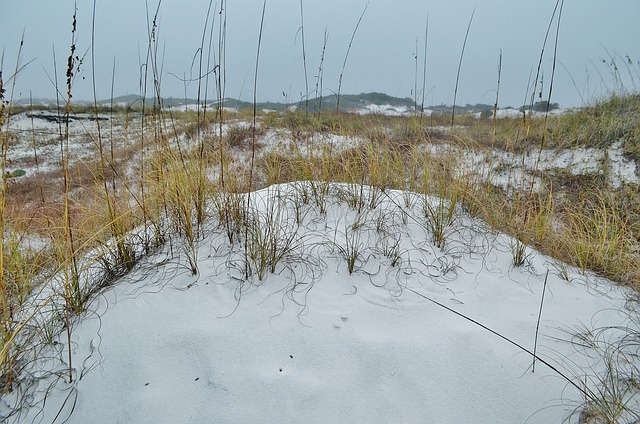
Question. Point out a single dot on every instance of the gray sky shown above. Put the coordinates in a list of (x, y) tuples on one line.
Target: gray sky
[(381, 59)]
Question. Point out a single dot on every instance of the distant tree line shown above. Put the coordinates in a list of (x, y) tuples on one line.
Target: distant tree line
[(543, 106)]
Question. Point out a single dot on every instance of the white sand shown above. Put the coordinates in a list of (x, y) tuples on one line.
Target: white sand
[(163, 346)]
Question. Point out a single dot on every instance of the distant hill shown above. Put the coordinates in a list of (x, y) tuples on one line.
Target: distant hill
[(354, 103), (365, 102)]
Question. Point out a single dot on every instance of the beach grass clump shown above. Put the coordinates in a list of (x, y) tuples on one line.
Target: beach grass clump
[(601, 239), (614, 119), (273, 238), (186, 192)]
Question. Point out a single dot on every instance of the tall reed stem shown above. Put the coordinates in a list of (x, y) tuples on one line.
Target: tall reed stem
[(304, 60), (424, 67), (320, 73), (455, 92), (535, 343), (72, 282), (219, 70), (560, 5), (346, 56), (4, 301), (253, 136), (495, 105)]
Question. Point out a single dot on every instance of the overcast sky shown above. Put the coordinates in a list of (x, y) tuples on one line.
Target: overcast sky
[(382, 57)]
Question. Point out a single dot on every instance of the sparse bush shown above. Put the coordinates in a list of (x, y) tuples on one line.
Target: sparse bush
[(239, 136), (17, 173)]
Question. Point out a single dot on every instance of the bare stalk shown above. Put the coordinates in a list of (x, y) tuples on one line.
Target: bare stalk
[(553, 74), (544, 45), (415, 82), (219, 70), (255, 100), (95, 106), (519, 346), (346, 56), (320, 73), (151, 60), (200, 77), (111, 147), (535, 343), (253, 133), (55, 77), (553, 71), (144, 72), (495, 105), (33, 145), (72, 282), (200, 195), (455, 92), (304, 60), (4, 296), (117, 230), (424, 67)]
